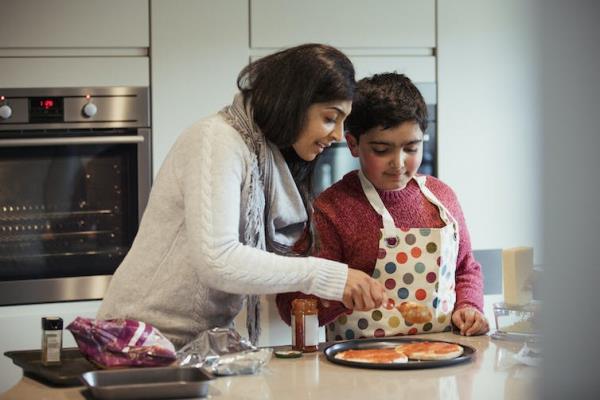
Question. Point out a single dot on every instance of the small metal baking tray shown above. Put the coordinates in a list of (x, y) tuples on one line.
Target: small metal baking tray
[(147, 383), (67, 373)]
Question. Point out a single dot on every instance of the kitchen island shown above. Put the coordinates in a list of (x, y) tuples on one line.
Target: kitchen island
[(493, 373)]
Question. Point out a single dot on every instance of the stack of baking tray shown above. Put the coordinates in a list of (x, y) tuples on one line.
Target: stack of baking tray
[(66, 374), (147, 383)]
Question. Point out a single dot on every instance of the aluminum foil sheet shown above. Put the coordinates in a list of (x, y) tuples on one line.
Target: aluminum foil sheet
[(223, 351)]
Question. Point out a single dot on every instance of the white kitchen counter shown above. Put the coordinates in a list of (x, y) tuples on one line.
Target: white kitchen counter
[(492, 374)]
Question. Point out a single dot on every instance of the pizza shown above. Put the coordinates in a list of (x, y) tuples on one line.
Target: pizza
[(430, 350), (415, 313), (385, 355)]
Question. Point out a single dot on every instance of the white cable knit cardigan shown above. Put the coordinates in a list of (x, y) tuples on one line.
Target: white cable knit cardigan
[(187, 270)]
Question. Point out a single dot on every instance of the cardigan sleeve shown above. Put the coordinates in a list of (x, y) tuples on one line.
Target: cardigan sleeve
[(210, 169)]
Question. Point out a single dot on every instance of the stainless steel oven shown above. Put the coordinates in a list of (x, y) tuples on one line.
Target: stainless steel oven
[(75, 174)]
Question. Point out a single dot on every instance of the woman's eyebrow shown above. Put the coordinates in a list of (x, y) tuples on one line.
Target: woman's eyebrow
[(339, 110)]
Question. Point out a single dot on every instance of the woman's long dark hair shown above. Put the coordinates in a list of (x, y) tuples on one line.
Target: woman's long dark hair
[(282, 86)]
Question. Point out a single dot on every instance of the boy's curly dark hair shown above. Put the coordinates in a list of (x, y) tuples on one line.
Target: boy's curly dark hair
[(385, 100)]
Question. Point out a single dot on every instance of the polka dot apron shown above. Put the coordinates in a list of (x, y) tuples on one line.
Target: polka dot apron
[(417, 267)]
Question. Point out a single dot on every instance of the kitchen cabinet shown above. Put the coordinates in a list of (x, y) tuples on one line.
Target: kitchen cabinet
[(26, 72), (343, 23), (198, 49), (417, 68), (74, 24)]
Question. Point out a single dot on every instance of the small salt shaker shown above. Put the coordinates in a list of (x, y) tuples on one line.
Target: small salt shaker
[(51, 340)]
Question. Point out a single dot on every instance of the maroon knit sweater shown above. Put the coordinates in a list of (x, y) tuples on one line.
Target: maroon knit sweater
[(349, 228)]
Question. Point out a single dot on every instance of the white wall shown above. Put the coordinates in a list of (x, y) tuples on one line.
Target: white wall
[(489, 119)]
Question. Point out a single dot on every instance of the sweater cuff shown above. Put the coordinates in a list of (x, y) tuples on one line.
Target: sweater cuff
[(329, 279), (466, 304)]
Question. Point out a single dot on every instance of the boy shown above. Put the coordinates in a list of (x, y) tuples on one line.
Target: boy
[(406, 230)]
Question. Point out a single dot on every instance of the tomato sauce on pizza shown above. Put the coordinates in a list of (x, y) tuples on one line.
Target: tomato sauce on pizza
[(386, 355), (431, 350)]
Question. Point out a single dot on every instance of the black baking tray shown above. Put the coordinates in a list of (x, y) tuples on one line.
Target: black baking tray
[(73, 364), (147, 383), (375, 343)]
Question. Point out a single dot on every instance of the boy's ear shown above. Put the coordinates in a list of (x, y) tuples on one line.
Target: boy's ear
[(352, 144)]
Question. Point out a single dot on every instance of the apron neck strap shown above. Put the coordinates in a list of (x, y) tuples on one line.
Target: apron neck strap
[(388, 222), (444, 213)]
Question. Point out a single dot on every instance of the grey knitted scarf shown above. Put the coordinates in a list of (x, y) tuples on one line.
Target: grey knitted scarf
[(272, 207)]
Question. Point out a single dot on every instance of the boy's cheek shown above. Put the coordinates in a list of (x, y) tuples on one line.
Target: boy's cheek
[(413, 165), (373, 165)]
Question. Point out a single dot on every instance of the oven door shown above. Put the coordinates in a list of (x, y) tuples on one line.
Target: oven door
[(69, 210)]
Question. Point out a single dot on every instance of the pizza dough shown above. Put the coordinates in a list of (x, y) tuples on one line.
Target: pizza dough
[(386, 355), (431, 350), (415, 313)]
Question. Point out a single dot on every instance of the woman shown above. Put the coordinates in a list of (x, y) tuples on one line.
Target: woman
[(232, 198)]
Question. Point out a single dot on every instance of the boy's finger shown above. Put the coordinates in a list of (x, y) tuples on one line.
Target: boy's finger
[(474, 329), (457, 319), (469, 318), (483, 326), (465, 326)]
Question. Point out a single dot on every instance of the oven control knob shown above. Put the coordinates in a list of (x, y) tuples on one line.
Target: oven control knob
[(5, 111), (89, 110)]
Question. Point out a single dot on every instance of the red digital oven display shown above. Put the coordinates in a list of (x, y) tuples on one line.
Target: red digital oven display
[(46, 109), (47, 104)]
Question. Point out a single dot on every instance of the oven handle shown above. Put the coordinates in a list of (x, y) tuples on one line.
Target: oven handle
[(71, 141)]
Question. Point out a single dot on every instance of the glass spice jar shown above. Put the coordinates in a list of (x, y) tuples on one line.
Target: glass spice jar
[(305, 325)]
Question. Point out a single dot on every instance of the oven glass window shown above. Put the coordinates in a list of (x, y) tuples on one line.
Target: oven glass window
[(68, 210)]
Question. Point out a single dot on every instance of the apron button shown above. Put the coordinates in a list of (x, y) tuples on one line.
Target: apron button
[(392, 242)]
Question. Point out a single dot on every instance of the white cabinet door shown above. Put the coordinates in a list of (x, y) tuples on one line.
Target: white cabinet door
[(343, 23), (74, 23), (198, 49), (26, 72)]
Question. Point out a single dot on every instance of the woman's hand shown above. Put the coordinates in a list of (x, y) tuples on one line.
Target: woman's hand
[(362, 293), (470, 321)]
